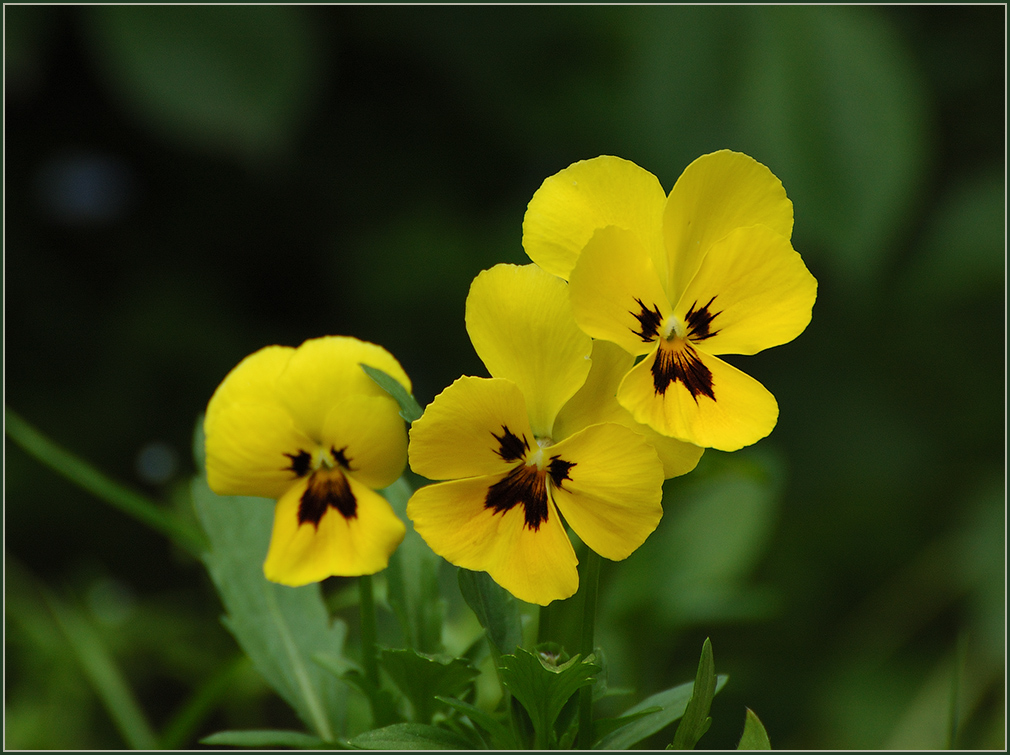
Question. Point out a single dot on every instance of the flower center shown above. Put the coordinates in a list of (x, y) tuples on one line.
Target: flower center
[(327, 486), (527, 482)]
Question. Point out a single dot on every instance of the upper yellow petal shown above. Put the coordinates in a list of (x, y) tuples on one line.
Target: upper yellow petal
[(337, 545), (613, 492), (596, 402), (716, 194), (538, 566), (571, 205), (521, 324), (324, 370), (757, 291), (740, 412), (459, 433), (614, 285), (370, 434), (248, 430)]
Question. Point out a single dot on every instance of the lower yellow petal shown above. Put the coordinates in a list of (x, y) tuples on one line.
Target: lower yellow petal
[(616, 292), (335, 545), (613, 491), (537, 566), (248, 430), (739, 412), (754, 290), (596, 402), (462, 430)]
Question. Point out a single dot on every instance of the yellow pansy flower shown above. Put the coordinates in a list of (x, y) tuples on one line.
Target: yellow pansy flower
[(679, 279), (542, 438), (309, 428)]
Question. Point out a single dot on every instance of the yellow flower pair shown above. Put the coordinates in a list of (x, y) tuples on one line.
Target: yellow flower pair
[(567, 426)]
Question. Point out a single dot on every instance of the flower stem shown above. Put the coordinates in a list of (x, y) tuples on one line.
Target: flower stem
[(591, 581), (369, 651)]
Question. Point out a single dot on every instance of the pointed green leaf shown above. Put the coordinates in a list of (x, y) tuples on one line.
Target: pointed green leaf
[(696, 719), (410, 737), (410, 410), (754, 735), (422, 677), (280, 628), (496, 609), (500, 737), (385, 707), (603, 727), (543, 688), (412, 580), (265, 739), (671, 703)]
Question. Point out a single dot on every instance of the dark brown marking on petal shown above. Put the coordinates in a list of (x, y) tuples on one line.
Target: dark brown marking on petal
[(523, 485), (699, 323), (510, 448), (681, 363), (649, 320), (301, 463), (340, 456), (558, 469), (327, 488)]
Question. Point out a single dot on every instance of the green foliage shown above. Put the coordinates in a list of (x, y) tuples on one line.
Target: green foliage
[(648, 717), (410, 737), (754, 735), (496, 609), (423, 678), (410, 410), (280, 628), (412, 581), (265, 739), (696, 720), (544, 688)]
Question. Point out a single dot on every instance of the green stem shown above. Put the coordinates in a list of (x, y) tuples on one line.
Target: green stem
[(369, 651), (591, 582), (86, 476)]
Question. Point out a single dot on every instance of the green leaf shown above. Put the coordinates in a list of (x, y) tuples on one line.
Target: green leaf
[(410, 737), (280, 628), (423, 677), (265, 738), (238, 80), (385, 708), (671, 703), (104, 675), (412, 581), (410, 410), (106, 489), (496, 609), (696, 719), (603, 727), (543, 688), (754, 735), (500, 737)]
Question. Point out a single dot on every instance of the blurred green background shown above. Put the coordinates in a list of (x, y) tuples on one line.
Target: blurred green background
[(187, 184)]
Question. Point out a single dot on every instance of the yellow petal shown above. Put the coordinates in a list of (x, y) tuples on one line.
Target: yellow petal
[(757, 290), (538, 566), (462, 430), (521, 325), (613, 491), (248, 430), (596, 402), (741, 412), (571, 205), (324, 370), (336, 545), (716, 194), (370, 435), (615, 291)]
